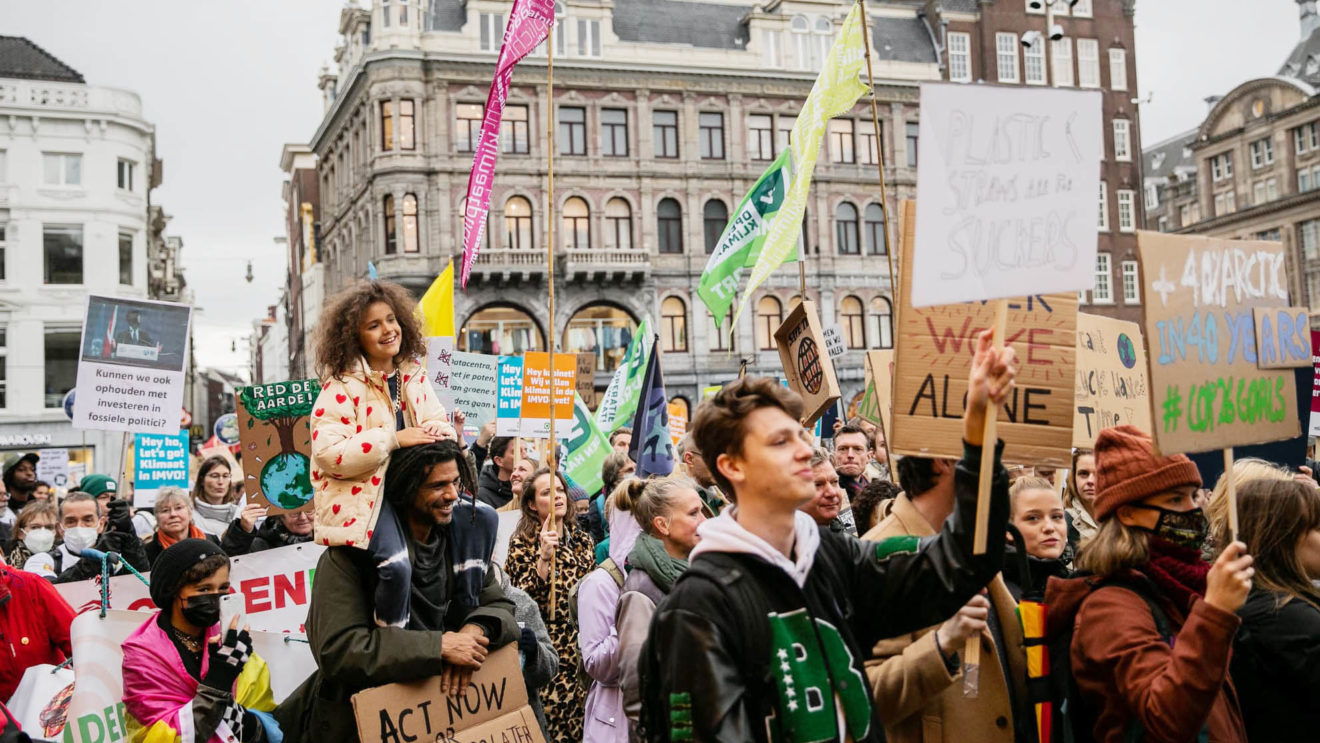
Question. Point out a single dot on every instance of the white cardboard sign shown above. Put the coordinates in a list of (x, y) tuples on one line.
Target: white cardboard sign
[(1008, 181)]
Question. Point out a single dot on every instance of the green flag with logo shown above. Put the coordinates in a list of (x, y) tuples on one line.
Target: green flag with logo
[(740, 244), (587, 448), (619, 402)]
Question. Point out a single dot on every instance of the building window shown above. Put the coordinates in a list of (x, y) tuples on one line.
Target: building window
[(124, 172), (4, 253), (1006, 57), (760, 137), (882, 323), (960, 57), (824, 35), (410, 232), (1102, 293), (721, 338), (673, 326), (784, 131), (913, 130), (853, 321), (572, 130), (1033, 63), (1127, 215), (771, 52), (769, 316), (1304, 181), (467, 128), (577, 224), (407, 130), (1221, 167), (841, 140), (492, 31), (1122, 140), (874, 224), (518, 224), (1306, 138), (1310, 232), (1163, 224), (63, 247), (61, 364), (618, 225), (126, 258), (1225, 203), (1063, 63), (1131, 286), (669, 224), (1104, 208), (391, 228), (387, 123), (1262, 152), (714, 217), (845, 222), (588, 38), (1313, 289), (1152, 196), (614, 132), (664, 131), (1258, 193), (1118, 69), (802, 47), (867, 152), (1088, 63), (62, 168), (514, 132), (712, 135), (1082, 8), (500, 329)]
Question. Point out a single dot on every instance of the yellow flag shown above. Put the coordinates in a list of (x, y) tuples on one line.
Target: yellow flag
[(836, 90), (437, 305)]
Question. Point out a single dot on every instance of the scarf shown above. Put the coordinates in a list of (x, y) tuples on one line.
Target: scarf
[(724, 534), (166, 540), (1178, 571), (649, 555), (472, 536), (213, 519)]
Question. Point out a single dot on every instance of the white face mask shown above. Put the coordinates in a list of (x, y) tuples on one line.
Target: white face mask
[(39, 539), (79, 538)]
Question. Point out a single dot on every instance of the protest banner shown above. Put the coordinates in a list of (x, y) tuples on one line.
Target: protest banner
[(678, 419), (1315, 384), (274, 427), (1007, 182), (877, 403), (619, 402), (536, 383), (1207, 388), (493, 707), (130, 365), (53, 467), (158, 461), (508, 393), (586, 377), (588, 448), (1283, 337), (464, 381), (1111, 378), (807, 369)]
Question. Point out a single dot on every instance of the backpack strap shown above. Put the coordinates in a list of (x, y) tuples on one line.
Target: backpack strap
[(613, 569), (1147, 592)]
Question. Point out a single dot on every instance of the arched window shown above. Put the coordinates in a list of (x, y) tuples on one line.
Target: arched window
[(845, 222), (714, 217), (669, 223), (410, 236), (769, 316), (853, 322), (794, 301), (601, 329), (500, 329), (518, 224), (824, 36), (462, 227), (673, 325), (618, 225), (722, 338), (802, 46), (876, 238), (882, 323), (577, 224), (391, 229)]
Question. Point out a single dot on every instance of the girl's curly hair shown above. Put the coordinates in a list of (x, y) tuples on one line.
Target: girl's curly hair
[(337, 347)]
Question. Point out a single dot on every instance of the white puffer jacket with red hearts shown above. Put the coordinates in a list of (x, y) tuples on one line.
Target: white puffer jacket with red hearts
[(352, 437)]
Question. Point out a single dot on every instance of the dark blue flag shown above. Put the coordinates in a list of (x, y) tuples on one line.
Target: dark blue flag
[(651, 447)]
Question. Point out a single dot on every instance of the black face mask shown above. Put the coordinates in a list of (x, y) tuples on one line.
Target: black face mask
[(202, 610), (1183, 528)]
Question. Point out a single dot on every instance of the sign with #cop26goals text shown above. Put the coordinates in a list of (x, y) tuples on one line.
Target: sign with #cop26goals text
[(1207, 389), (1007, 181)]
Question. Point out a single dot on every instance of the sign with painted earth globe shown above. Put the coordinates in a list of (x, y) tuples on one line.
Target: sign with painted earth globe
[(1126, 353), (273, 425), (808, 360)]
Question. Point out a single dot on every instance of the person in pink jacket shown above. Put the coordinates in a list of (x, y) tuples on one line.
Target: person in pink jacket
[(374, 399)]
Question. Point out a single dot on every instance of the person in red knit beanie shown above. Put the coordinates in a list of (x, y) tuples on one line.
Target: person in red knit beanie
[(1154, 623)]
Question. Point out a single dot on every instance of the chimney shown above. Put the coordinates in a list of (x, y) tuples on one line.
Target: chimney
[(1310, 19)]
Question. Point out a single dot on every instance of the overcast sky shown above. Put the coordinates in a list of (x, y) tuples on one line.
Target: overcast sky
[(228, 83)]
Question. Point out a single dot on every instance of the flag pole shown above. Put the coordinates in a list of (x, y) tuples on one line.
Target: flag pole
[(550, 281), (879, 146)]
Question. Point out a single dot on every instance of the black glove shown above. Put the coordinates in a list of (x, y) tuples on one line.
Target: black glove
[(227, 660), (119, 517), (527, 644)]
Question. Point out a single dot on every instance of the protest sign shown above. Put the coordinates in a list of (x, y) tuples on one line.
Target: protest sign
[(53, 467), (1207, 389), (586, 377), (809, 372), (834, 341), (877, 402), (678, 419), (463, 381), (508, 393), (588, 448), (1007, 179), (1283, 337), (493, 707), (536, 393), (1315, 384), (934, 356), (158, 461), (130, 365), (439, 362), (274, 426), (619, 402), (1111, 378)]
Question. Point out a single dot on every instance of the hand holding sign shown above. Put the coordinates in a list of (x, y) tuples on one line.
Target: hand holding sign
[(463, 652), (994, 369)]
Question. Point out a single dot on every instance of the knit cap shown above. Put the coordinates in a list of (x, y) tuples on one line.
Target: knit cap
[(170, 566), (1129, 470), (98, 484)]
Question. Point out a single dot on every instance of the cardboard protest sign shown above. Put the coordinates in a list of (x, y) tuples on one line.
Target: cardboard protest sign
[(877, 403), (1315, 384), (586, 377), (158, 461), (1283, 337), (934, 358), (508, 394), (807, 367), (493, 708), (130, 365), (1007, 179), (1111, 378), (1207, 388), (536, 384), (274, 428)]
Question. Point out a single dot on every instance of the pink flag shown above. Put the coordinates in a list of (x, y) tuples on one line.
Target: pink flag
[(529, 25)]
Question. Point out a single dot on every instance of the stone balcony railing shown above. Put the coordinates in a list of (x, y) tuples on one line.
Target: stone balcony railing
[(616, 265), (45, 94)]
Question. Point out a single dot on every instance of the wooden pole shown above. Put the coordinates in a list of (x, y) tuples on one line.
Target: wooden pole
[(988, 443), (879, 149), (1232, 494), (550, 281)]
